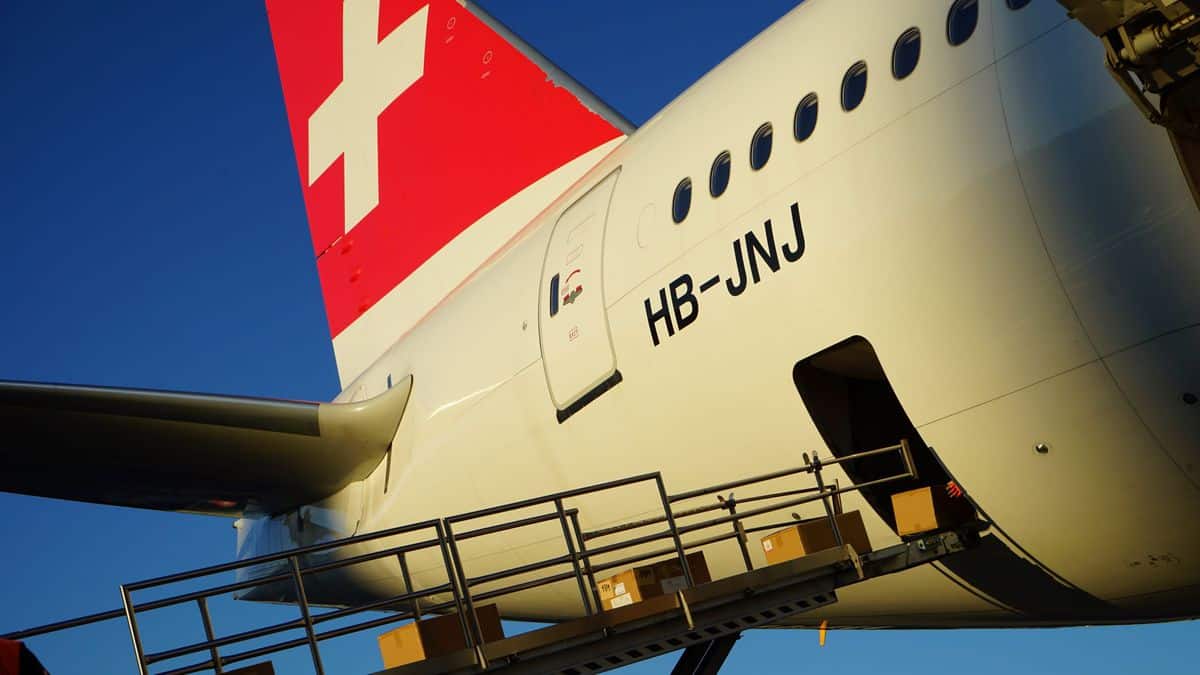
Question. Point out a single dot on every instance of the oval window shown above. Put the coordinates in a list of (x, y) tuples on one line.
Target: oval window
[(760, 147), (718, 177), (906, 54), (854, 86), (682, 203), (961, 23), (806, 117), (1016, 4)]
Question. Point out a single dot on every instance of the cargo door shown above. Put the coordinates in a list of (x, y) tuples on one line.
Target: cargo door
[(577, 351)]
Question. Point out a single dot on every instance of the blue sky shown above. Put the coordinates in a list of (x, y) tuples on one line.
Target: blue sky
[(156, 238)]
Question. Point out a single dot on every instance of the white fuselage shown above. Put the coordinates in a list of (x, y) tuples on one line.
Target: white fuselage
[(1016, 242)]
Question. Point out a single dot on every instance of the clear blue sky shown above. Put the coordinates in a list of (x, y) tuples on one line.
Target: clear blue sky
[(155, 237)]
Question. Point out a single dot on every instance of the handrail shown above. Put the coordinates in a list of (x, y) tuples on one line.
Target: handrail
[(220, 590), (577, 561), (504, 527), (64, 625), (722, 487), (244, 636), (367, 557), (282, 555), (565, 494)]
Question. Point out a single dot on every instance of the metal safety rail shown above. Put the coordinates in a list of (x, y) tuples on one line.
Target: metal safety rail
[(308, 621), (604, 639)]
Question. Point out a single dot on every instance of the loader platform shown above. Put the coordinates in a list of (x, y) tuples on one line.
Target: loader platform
[(700, 618)]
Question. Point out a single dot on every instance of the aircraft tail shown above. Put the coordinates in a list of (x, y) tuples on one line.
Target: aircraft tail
[(426, 135)]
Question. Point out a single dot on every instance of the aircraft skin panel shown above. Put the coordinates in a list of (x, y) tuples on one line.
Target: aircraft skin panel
[(1156, 377), (361, 343), (1013, 30), (1082, 491), (918, 236), (1103, 210), (965, 218)]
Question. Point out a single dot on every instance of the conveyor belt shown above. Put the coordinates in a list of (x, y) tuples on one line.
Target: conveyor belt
[(691, 617)]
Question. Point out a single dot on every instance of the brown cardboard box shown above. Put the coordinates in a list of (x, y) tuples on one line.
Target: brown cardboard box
[(648, 581), (815, 534), (929, 508), (438, 636)]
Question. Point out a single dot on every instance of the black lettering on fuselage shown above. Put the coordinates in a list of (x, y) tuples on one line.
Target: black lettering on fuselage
[(752, 252), (688, 298), (790, 254), (653, 316), (755, 249), (683, 304), (736, 289)]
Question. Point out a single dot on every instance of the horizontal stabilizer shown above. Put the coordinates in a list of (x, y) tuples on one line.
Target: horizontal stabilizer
[(199, 453)]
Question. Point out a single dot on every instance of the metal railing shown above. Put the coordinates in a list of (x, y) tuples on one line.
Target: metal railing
[(581, 561), (295, 576)]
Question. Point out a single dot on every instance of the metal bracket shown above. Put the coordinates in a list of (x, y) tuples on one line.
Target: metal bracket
[(687, 611)]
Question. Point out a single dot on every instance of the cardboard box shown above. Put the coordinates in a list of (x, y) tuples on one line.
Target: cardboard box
[(929, 509), (648, 581), (437, 636), (809, 536)]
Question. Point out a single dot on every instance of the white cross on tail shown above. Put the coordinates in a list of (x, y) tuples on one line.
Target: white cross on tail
[(373, 75)]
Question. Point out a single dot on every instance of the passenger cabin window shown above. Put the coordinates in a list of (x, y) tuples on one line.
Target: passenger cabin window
[(906, 54), (760, 147), (682, 203), (854, 86), (718, 177), (806, 117), (1016, 4), (961, 23)]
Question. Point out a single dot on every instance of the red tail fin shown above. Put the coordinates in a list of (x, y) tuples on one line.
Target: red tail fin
[(411, 120)]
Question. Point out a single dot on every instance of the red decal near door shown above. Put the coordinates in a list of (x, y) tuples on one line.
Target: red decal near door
[(571, 293)]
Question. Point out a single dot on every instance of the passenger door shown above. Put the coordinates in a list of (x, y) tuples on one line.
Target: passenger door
[(577, 351)]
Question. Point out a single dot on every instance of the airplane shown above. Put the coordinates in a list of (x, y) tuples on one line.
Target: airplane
[(951, 224)]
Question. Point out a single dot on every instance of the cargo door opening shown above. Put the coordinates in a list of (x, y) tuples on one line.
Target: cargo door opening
[(855, 409), (852, 403)]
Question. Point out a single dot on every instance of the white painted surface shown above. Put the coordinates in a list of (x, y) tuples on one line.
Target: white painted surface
[(346, 123)]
